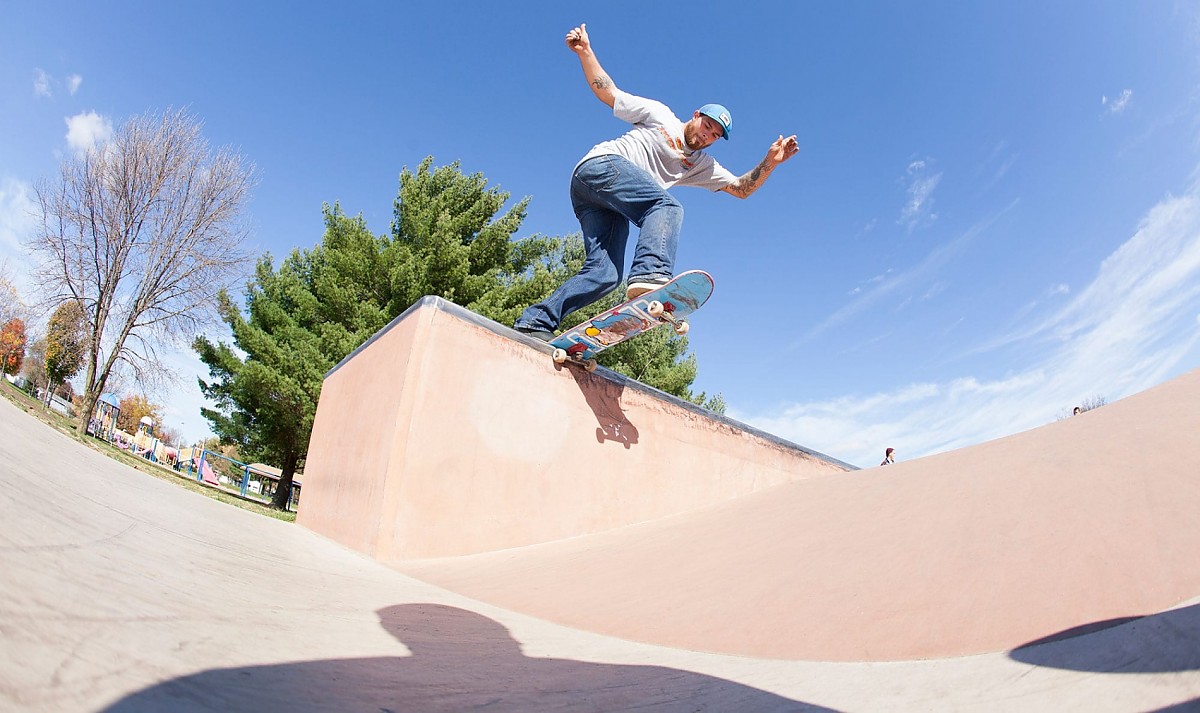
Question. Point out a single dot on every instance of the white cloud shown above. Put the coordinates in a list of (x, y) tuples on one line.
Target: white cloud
[(996, 166), (41, 83), (934, 290), (920, 183), (1023, 313), (44, 83), (1134, 325), (17, 215), (1148, 278), (1118, 105), (87, 130), (18, 219), (900, 285)]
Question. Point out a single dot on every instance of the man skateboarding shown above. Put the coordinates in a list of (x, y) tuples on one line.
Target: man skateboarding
[(626, 180)]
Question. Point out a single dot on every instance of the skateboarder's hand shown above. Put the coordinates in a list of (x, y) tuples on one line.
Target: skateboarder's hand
[(577, 39), (783, 149)]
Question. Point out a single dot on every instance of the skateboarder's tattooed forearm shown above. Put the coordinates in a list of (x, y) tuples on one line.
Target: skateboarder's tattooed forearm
[(757, 173), (750, 182), (602, 82)]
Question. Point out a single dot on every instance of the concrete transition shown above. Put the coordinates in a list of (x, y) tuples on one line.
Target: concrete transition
[(469, 460), (553, 541)]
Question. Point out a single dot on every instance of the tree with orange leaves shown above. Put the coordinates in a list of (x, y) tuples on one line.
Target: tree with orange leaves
[(12, 346)]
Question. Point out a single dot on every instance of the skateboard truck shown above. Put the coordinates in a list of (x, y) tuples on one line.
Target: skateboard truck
[(560, 356), (666, 312)]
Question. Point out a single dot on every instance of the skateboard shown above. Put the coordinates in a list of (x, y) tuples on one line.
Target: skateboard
[(668, 304)]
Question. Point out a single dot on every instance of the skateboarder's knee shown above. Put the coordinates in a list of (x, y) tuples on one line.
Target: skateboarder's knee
[(601, 271)]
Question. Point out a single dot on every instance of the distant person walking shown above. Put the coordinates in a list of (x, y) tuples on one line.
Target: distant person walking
[(889, 457), (625, 181)]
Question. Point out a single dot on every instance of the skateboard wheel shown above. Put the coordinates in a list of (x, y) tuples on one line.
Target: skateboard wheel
[(681, 328), (589, 365), (559, 356), (655, 308)]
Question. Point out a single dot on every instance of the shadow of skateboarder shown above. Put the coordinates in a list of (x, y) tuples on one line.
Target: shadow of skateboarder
[(459, 661)]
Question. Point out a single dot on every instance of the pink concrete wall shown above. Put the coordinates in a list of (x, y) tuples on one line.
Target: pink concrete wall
[(358, 433), (1083, 521), (445, 435)]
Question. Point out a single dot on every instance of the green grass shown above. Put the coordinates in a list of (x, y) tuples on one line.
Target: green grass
[(32, 407)]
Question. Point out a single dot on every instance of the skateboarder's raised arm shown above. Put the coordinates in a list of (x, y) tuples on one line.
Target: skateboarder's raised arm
[(781, 150), (602, 86)]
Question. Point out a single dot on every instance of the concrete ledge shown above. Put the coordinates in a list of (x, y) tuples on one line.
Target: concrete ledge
[(448, 434)]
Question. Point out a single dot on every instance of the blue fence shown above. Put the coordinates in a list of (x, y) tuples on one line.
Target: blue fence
[(222, 471)]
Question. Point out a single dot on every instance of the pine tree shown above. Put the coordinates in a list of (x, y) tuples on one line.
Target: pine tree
[(449, 237)]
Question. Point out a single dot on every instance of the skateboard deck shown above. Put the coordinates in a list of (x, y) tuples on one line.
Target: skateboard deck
[(669, 304)]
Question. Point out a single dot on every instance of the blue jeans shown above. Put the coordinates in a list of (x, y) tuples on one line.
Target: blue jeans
[(608, 193)]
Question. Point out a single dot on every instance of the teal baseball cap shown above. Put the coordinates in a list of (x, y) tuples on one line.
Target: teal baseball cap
[(719, 114)]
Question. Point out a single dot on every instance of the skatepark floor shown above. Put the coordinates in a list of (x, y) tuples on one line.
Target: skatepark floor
[(122, 592)]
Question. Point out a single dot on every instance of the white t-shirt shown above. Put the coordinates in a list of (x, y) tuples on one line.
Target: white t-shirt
[(656, 144)]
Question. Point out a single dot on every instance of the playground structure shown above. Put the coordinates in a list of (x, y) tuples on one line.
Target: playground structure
[(253, 481), (142, 444)]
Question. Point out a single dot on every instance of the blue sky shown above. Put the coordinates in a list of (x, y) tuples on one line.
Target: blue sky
[(994, 215)]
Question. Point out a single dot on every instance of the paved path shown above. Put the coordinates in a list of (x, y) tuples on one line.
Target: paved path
[(122, 592)]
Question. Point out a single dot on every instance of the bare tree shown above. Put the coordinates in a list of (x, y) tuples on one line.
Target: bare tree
[(143, 231), (11, 304), (1087, 405)]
